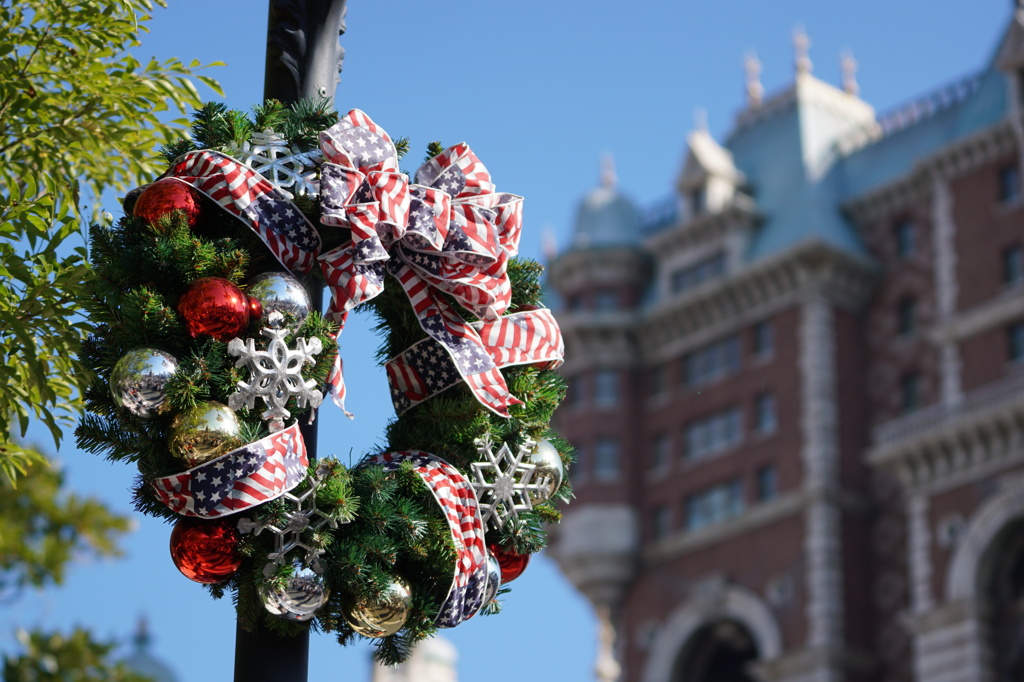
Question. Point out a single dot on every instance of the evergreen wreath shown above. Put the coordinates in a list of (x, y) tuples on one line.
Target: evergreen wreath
[(369, 550)]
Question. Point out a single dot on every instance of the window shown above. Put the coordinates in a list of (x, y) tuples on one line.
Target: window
[(764, 338), (767, 483), (712, 506), (698, 273), (578, 471), (907, 314), (606, 301), (1013, 264), (697, 201), (910, 391), (713, 434), (606, 388), (906, 239), (1015, 337), (764, 412), (1009, 184), (661, 448), (575, 303), (606, 459), (715, 360), (661, 521)]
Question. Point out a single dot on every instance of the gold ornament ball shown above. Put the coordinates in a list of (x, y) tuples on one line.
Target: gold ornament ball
[(549, 472), (205, 432), (381, 617)]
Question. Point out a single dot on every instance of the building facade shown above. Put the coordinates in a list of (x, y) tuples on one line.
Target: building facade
[(798, 395)]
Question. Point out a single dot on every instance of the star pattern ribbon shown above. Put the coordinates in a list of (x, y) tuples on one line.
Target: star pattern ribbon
[(449, 233)]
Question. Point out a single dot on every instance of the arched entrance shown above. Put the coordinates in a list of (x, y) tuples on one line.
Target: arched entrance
[(718, 652), (1002, 576)]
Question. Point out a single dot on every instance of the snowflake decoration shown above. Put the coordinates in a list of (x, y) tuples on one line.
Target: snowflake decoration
[(301, 517), (268, 154), (508, 491), (276, 376)]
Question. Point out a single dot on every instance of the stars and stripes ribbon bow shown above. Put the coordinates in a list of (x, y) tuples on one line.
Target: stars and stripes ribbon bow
[(449, 233), (241, 479), (461, 510)]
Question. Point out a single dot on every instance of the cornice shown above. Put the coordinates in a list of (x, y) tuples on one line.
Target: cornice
[(688, 319), (939, 446), (952, 161)]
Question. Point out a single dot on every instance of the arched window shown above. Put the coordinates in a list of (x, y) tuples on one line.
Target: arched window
[(1005, 591), (718, 652)]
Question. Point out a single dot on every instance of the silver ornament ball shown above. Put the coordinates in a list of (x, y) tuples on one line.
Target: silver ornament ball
[(493, 579), (139, 381), (301, 596), (283, 301), (381, 617), (549, 473)]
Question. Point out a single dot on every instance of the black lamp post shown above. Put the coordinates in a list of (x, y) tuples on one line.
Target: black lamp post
[(303, 61)]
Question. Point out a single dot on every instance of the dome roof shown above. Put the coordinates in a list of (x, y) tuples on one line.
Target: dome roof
[(143, 662), (606, 217)]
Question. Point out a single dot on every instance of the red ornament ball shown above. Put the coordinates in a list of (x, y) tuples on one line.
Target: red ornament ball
[(512, 564), (163, 196), (205, 551), (215, 307)]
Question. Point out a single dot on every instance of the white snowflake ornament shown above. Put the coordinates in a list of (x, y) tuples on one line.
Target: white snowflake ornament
[(276, 376), (504, 482), (268, 154), (301, 515)]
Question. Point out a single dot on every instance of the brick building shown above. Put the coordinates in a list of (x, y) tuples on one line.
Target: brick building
[(798, 395)]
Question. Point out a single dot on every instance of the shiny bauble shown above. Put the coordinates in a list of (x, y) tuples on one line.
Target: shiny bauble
[(493, 579), (511, 564), (278, 301), (163, 196), (299, 598), (214, 306), (205, 551), (548, 475), (205, 432), (381, 617), (139, 381)]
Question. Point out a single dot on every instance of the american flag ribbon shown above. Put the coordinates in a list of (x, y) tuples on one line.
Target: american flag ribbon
[(241, 479), (456, 239), (424, 369), (254, 200), (461, 510)]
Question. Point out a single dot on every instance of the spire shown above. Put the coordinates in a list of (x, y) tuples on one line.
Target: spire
[(755, 91), (142, 637), (608, 177), (848, 67), (700, 119), (801, 51)]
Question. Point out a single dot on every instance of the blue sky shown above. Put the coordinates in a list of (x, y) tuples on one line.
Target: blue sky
[(540, 90)]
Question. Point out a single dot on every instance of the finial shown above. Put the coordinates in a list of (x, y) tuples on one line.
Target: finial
[(608, 178), (141, 637), (700, 119), (752, 68), (801, 51), (848, 67)]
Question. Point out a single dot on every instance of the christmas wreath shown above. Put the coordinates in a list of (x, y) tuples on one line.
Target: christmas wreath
[(207, 353)]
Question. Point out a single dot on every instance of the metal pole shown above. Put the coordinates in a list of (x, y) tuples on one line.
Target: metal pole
[(303, 61)]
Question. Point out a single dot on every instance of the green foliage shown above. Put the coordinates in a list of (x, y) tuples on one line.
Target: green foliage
[(78, 115), (43, 528), (53, 657)]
